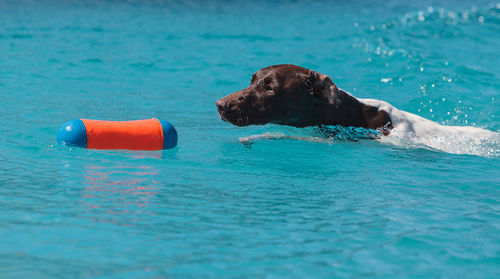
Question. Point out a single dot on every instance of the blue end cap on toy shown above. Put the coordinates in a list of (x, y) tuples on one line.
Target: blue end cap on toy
[(169, 134), (73, 133)]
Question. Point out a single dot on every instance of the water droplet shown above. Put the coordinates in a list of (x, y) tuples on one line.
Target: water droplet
[(432, 85), (372, 28), (421, 69), (481, 19), (420, 16)]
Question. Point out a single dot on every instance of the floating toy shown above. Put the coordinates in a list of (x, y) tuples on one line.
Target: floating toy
[(147, 134)]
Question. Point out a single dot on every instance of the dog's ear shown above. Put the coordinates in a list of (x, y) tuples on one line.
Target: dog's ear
[(322, 87)]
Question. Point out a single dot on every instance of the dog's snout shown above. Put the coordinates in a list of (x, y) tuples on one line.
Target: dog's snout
[(220, 105)]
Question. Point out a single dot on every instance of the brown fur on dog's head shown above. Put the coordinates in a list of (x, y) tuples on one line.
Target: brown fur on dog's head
[(281, 94), (292, 95)]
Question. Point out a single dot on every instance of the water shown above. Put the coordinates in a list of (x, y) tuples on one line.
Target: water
[(294, 204)]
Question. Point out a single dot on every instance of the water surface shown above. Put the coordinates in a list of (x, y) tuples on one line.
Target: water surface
[(216, 207)]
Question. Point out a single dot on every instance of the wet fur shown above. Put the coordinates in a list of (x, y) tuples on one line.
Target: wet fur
[(296, 96)]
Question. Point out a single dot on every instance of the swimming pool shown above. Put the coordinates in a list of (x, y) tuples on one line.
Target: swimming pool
[(218, 206)]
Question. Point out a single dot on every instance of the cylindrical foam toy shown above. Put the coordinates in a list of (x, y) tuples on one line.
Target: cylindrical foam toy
[(147, 134)]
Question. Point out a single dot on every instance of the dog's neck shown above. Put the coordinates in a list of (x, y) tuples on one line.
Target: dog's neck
[(351, 112)]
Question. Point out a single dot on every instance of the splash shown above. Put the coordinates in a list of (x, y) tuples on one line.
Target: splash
[(482, 145), (324, 134), (474, 142), (248, 141)]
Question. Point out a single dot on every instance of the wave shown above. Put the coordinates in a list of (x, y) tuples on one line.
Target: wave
[(485, 145), (449, 17), (410, 131), (391, 36)]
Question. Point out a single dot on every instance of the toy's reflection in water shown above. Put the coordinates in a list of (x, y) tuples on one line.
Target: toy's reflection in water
[(120, 194)]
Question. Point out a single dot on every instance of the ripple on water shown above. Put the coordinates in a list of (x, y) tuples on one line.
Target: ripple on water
[(246, 201)]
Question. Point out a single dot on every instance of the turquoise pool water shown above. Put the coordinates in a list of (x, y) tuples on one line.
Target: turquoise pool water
[(217, 206)]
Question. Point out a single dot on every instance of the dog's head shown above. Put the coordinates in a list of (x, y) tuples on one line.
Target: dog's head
[(281, 94)]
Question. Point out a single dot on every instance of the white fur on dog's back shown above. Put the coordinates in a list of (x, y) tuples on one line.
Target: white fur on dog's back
[(411, 129), (412, 124)]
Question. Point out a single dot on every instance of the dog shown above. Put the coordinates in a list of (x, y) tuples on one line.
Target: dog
[(295, 96)]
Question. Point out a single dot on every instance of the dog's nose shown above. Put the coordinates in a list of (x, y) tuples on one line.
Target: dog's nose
[(220, 106)]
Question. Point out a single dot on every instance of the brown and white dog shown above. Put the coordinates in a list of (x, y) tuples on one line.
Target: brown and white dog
[(295, 96)]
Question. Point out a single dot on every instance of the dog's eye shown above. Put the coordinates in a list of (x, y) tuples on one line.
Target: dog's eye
[(318, 89)]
